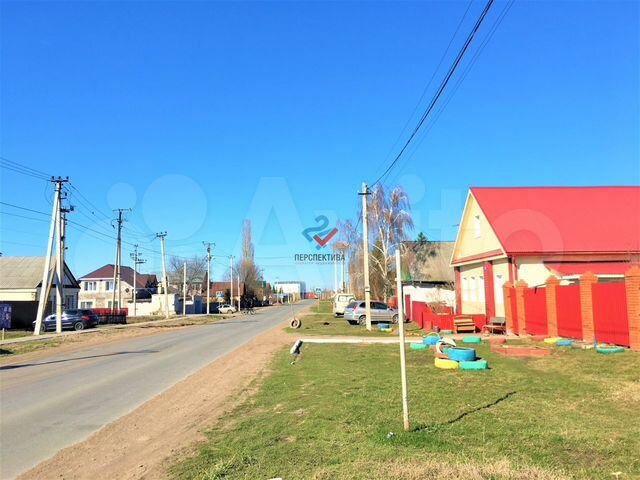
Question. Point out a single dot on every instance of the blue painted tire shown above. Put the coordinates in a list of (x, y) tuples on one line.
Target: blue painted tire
[(475, 365), (609, 349), (471, 340), (460, 354), (430, 340), (417, 346), (383, 325), (564, 343)]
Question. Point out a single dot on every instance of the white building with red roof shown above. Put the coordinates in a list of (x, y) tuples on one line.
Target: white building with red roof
[(531, 233), (96, 288)]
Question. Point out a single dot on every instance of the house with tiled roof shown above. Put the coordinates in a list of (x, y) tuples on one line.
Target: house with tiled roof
[(20, 286), (531, 233), (96, 288)]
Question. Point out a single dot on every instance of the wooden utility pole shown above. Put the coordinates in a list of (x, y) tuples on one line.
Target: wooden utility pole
[(208, 245), (136, 261), (365, 240), (165, 280), (403, 361)]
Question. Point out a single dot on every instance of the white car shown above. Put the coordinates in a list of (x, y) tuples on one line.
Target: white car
[(226, 308), (340, 301)]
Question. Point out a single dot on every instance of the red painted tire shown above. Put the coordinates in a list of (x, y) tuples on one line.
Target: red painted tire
[(496, 340), (441, 355)]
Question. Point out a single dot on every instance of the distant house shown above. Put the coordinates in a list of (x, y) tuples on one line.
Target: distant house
[(427, 275), (20, 284), (530, 233), (96, 288), (217, 290)]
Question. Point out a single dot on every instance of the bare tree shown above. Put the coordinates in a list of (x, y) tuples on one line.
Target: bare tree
[(196, 272), (246, 268)]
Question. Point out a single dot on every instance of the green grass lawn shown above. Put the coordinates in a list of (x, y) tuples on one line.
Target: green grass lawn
[(574, 414), (325, 323)]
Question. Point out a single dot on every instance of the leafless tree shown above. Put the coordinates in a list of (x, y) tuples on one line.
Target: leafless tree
[(196, 272)]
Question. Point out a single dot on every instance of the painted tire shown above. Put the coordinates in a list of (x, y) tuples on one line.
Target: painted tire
[(383, 325), (496, 340), (295, 323), (609, 349), (582, 345), (475, 365), (444, 341), (446, 351), (446, 332), (417, 346), (445, 364), (552, 340), (564, 343), (441, 355), (388, 330), (471, 340), (460, 354), (430, 340)]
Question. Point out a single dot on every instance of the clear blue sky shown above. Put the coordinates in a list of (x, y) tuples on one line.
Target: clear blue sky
[(200, 114)]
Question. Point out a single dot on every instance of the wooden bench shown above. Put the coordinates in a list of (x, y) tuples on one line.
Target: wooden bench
[(463, 324), (495, 325)]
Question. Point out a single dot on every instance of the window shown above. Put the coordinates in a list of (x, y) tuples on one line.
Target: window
[(481, 289), (476, 226), (69, 301), (472, 287), (109, 303), (498, 281), (108, 285), (90, 286), (465, 289), (86, 304)]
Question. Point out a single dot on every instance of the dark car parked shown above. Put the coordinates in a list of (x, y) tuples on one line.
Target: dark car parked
[(71, 320)]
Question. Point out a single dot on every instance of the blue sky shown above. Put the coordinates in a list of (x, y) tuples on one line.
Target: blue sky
[(199, 114)]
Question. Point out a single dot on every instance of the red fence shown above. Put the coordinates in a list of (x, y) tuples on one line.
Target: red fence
[(535, 308), (610, 313), (569, 314), (606, 310)]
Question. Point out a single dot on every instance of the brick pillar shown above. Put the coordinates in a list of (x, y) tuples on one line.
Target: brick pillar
[(521, 285), (507, 290), (552, 311), (489, 295), (632, 285), (586, 305)]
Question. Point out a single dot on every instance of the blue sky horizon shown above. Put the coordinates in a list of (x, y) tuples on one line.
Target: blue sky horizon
[(199, 115)]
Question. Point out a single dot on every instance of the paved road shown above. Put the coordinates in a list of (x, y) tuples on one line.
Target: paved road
[(60, 400)]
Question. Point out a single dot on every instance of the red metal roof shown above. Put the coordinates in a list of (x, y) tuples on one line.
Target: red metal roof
[(126, 273), (597, 268), (563, 219)]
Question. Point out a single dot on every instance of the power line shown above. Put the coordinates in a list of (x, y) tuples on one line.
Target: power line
[(24, 208), (88, 202), (23, 169), (443, 85)]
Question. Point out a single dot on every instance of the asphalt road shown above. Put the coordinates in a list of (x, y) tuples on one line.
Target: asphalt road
[(61, 399)]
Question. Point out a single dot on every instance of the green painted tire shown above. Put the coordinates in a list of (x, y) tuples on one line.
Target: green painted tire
[(609, 349), (471, 340), (475, 365), (446, 332), (417, 346)]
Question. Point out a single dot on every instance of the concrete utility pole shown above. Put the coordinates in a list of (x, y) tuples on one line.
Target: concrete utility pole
[(231, 279), (117, 284), (184, 290), (165, 281), (136, 261), (238, 280), (403, 361), (365, 239), (208, 245)]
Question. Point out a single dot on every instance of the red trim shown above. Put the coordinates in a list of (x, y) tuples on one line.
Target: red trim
[(458, 290), (480, 256), (489, 295)]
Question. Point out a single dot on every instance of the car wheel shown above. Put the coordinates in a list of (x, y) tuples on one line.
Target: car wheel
[(362, 320), (351, 322), (395, 319), (78, 326)]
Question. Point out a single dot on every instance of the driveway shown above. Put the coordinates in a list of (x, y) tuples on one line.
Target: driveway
[(61, 399)]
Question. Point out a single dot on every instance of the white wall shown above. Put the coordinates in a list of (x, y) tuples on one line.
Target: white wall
[(430, 294)]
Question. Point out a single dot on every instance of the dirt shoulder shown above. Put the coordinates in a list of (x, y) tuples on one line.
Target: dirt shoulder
[(138, 445)]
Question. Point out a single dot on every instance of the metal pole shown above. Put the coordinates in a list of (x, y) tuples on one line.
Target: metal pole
[(365, 240), (165, 280), (403, 361), (44, 286), (184, 291)]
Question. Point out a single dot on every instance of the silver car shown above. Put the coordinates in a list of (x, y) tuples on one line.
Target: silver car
[(355, 313)]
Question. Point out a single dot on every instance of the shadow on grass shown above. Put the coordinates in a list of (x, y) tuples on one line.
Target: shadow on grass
[(437, 426)]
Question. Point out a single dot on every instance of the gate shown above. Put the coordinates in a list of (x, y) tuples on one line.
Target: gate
[(535, 308), (610, 321), (569, 312)]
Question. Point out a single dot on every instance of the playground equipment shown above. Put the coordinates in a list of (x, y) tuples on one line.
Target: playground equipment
[(461, 354)]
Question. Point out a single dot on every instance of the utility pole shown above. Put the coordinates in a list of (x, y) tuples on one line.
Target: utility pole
[(165, 281), (208, 245), (53, 272), (231, 279), (116, 267), (238, 281), (136, 261), (403, 361), (365, 239), (184, 291)]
